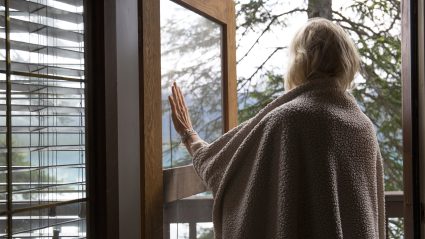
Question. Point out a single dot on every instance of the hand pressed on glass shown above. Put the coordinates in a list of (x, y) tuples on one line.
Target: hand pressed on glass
[(179, 110), (180, 116)]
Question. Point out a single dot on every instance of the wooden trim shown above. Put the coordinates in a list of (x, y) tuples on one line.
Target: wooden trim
[(406, 107), (223, 12), (409, 49), (393, 208), (394, 204), (181, 182), (150, 119), (190, 210), (229, 67), (212, 9)]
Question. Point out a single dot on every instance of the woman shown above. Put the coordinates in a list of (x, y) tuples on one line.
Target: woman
[(308, 165)]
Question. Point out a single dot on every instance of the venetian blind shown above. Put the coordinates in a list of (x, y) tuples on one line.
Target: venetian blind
[(42, 119)]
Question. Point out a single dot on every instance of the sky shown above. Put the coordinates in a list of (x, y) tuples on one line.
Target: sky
[(277, 37)]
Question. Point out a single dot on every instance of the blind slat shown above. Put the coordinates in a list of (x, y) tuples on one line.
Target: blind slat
[(43, 69), (42, 49), (21, 26)]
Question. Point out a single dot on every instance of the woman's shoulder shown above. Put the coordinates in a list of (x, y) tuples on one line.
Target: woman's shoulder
[(311, 109), (290, 113)]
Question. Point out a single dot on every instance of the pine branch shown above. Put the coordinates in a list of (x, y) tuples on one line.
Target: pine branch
[(260, 67), (267, 28)]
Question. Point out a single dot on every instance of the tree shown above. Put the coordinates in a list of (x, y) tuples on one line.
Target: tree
[(375, 28), (25, 175), (380, 92)]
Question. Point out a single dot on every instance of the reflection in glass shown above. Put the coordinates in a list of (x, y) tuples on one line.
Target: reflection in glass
[(191, 55)]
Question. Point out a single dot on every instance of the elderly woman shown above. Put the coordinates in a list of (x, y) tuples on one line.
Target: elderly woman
[(308, 165)]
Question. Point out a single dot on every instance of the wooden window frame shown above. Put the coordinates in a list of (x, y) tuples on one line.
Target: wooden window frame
[(158, 185), (421, 88), (410, 120)]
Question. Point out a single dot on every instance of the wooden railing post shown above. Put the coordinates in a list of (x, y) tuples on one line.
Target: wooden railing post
[(192, 230)]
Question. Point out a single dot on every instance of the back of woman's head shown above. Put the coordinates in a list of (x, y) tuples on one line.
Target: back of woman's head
[(322, 49)]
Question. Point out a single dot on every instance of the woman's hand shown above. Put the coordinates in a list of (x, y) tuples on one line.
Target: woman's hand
[(179, 111)]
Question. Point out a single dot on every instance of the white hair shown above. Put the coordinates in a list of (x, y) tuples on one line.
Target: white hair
[(322, 49)]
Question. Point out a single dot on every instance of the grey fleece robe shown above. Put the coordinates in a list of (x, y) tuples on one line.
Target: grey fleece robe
[(308, 165)]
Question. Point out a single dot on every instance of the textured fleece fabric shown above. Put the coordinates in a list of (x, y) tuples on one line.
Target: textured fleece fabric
[(308, 165)]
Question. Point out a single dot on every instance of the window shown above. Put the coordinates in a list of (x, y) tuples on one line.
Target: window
[(42, 119), (196, 50), (191, 55), (176, 182)]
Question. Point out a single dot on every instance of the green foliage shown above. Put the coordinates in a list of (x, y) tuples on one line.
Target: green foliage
[(252, 14), (375, 27), (261, 94), (376, 33), (206, 234)]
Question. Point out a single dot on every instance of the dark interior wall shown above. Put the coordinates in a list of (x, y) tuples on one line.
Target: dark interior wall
[(128, 119), (101, 109), (113, 119), (421, 46)]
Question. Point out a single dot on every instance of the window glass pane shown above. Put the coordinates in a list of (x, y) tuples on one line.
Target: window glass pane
[(190, 55), (204, 230), (395, 227), (179, 231), (69, 221), (44, 102), (193, 214)]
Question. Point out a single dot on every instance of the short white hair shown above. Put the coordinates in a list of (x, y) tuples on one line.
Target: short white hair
[(322, 49)]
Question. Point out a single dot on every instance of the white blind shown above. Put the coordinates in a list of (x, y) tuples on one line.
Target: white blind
[(42, 119)]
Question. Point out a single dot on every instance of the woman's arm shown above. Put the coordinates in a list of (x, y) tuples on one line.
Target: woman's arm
[(194, 143)]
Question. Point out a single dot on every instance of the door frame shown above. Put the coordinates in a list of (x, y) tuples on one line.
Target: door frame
[(102, 180), (410, 120)]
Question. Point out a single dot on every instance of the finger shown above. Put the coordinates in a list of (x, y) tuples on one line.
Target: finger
[(186, 109), (175, 115), (176, 97), (174, 109), (182, 97), (179, 93), (181, 106), (173, 105), (181, 100), (182, 111)]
